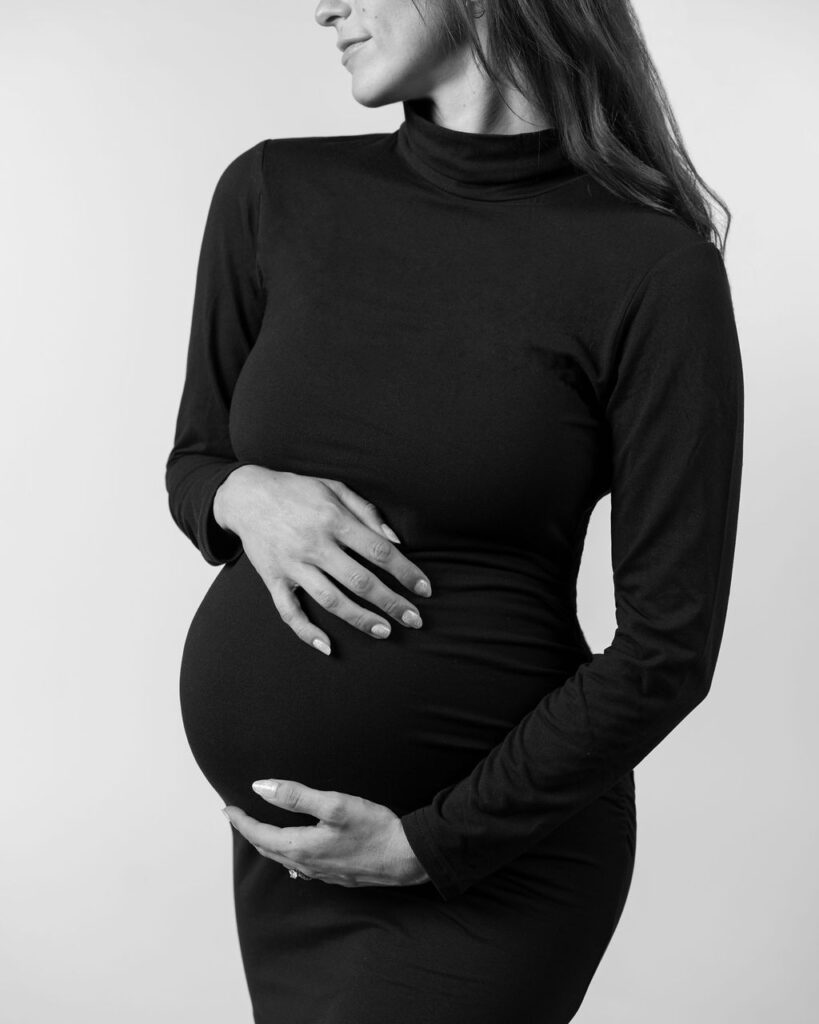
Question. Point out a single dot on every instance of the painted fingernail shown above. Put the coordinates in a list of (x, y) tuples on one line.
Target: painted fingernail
[(266, 786), (379, 629), (423, 588), (322, 646), (411, 618), (389, 533)]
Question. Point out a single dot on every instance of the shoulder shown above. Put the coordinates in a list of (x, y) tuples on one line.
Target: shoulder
[(240, 180), (309, 154), (273, 164), (621, 222), (654, 288), (617, 251)]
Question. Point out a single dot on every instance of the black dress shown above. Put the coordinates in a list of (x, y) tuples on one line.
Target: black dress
[(479, 338)]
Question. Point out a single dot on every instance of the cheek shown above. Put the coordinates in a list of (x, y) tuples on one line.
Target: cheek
[(407, 53), (403, 35)]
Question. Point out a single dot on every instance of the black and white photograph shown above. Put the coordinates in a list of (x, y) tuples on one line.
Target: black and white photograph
[(410, 512)]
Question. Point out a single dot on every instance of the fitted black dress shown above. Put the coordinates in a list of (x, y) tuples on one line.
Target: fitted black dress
[(479, 338)]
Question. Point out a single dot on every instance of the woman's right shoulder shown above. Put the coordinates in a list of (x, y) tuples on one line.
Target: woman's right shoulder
[(245, 168), (296, 153)]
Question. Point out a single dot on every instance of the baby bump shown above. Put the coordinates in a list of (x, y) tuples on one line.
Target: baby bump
[(391, 720)]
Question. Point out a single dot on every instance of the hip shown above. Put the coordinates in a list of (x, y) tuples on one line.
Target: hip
[(524, 941)]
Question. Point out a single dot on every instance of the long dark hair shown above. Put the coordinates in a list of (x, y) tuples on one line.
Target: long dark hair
[(585, 63)]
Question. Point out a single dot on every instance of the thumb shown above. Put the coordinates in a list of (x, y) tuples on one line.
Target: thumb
[(294, 796)]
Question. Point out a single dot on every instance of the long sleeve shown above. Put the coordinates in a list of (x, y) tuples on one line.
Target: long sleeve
[(674, 409), (228, 307)]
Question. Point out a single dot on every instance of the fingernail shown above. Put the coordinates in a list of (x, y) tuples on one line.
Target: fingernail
[(268, 786), (380, 630), (411, 618), (224, 811), (423, 588), (322, 646), (389, 533)]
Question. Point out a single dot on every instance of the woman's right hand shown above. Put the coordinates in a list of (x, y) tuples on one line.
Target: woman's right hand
[(293, 530)]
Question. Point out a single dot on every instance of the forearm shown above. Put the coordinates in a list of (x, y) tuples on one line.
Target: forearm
[(229, 303)]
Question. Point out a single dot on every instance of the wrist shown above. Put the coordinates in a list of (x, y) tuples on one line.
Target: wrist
[(411, 870), (224, 503)]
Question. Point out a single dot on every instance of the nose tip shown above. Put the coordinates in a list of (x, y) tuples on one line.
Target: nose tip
[(326, 13)]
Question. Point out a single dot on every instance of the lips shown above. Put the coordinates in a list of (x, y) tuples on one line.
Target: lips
[(352, 48)]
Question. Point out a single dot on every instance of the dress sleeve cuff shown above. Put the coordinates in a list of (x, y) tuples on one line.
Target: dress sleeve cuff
[(422, 840), (218, 545)]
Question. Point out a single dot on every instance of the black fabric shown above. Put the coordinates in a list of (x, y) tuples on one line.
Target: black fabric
[(483, 341)]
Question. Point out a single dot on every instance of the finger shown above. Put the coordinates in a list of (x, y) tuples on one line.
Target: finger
[(286, 862), (365, 584), (292, 615), (366, 511), (289, 841), (324, 804), (324, 592), (358, 537)]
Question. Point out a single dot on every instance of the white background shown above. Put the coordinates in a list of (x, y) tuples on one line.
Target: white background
[(116, 120)]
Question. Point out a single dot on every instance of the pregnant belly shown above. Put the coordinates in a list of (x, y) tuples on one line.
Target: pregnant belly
[(391, 720)]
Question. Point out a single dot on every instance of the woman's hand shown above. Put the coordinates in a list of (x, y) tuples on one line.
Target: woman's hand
[(294, 530), (356, 842)]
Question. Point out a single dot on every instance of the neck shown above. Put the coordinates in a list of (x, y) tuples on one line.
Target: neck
[(465, 99), (486, 111), (481, 165)]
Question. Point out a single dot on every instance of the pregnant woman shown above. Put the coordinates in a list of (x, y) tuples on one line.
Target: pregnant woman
[(417, 361)]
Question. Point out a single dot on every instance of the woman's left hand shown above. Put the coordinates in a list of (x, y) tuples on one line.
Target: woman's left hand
[(355, 842)]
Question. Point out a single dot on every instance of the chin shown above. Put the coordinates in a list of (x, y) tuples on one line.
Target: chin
[(368, 96), (370, 92)]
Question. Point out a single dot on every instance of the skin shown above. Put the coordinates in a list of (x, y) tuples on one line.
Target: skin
[(294, 529), (292, 526), (409, 57)]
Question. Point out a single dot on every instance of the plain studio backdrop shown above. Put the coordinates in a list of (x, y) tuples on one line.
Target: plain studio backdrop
[(115, 880)]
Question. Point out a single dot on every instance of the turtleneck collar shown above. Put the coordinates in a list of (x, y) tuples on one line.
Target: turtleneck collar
[(481, 165)]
